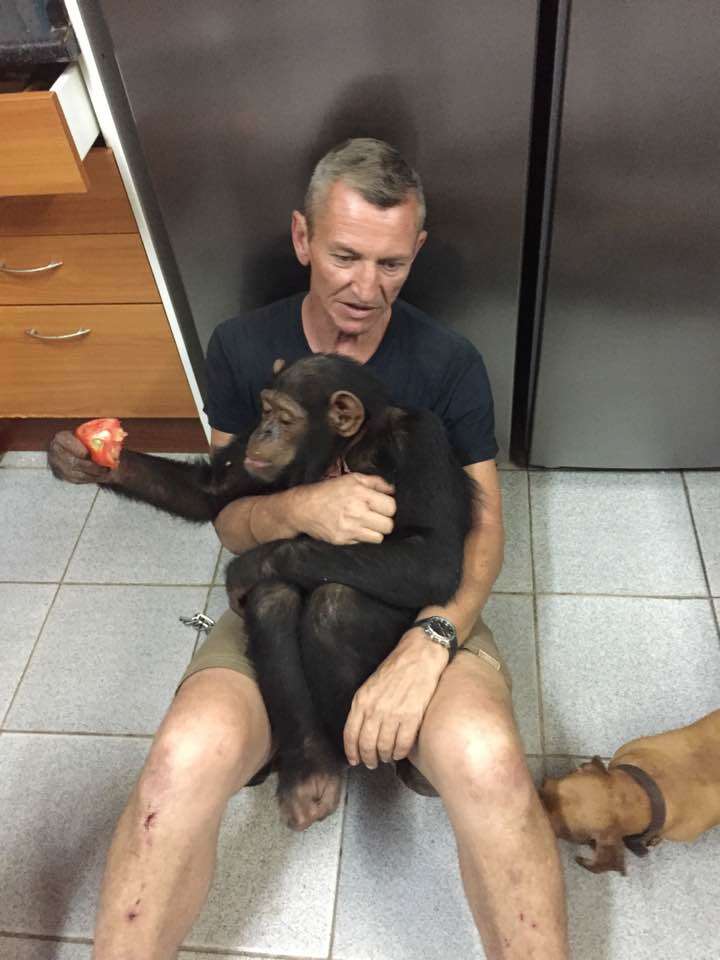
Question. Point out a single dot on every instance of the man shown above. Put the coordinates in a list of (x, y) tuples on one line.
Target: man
[(453, 721)]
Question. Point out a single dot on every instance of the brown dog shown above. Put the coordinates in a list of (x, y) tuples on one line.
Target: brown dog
[(665, 787)]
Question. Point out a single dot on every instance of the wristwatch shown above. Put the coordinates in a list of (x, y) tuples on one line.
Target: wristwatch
[(441, 631)]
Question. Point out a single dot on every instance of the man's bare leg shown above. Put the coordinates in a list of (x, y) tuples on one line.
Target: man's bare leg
[(215, 736), (470, 750)]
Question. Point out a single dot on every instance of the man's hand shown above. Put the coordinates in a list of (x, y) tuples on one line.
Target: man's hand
[(388, 709), (69, 459), (354, 508)]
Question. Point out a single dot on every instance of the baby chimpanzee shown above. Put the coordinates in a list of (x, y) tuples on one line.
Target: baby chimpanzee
[(321, 618)]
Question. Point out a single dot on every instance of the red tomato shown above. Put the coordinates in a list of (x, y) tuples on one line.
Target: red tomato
[(104, 439)]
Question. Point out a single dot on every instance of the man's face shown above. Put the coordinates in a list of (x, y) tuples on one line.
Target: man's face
[(359, 256)]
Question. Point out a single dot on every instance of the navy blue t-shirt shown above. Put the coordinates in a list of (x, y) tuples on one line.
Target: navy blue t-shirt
[(422, 364)]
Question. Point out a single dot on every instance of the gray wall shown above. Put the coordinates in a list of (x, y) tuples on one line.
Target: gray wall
[(235, 101)]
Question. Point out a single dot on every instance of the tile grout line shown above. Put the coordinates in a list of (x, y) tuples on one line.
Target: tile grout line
[(47, 615), (211, 951), (339, 868), (499, 593), (713, 609), (211, 587), (243, 955), (80, 733), (536, 631), (43, 938)]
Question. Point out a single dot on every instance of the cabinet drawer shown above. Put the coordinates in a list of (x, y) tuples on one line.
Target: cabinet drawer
[(93, 269), (127, 366), (49, 133), (103, 209)]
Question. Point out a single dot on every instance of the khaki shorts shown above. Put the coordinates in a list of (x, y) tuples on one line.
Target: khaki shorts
[(226, 646)]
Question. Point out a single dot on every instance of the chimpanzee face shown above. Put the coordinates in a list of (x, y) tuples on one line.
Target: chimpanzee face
[(280, 434)]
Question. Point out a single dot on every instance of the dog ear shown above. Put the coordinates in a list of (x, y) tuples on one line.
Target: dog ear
[(608, 854), (547, 792), (595, 764)]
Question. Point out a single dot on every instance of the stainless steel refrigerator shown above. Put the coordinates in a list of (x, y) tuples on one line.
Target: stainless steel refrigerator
[(626, 347), (224, 108)]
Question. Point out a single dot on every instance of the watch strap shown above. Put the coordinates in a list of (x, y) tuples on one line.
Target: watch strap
[(450, 643)]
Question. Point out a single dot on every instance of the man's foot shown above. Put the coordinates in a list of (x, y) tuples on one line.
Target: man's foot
[(310, 800)]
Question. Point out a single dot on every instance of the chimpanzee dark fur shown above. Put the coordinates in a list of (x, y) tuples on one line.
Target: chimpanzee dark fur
[(321, 618)]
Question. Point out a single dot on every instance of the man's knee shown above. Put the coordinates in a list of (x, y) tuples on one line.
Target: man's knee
[(206, 746), (477, 758)]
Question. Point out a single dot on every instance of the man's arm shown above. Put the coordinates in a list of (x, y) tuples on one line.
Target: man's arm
[(483, 558), (350, 509), (388, 709)]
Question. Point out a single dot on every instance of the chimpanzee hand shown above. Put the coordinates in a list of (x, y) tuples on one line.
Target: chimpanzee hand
[(388, 709), (354, 508), (245, 570), (69, 460)]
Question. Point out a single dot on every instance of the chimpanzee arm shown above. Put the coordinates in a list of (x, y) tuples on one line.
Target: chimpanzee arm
[(413, 571), (420, 563), (195, 491)]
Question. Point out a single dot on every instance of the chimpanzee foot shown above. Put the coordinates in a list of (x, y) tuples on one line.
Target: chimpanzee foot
[(311, 800)]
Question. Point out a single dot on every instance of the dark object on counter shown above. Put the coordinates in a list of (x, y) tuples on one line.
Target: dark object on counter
[(35, 31)]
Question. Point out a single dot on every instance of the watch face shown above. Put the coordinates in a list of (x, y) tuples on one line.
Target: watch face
[(442, 628)]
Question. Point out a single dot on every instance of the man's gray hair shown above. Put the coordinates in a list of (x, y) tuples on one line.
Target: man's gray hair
[(373, 168)]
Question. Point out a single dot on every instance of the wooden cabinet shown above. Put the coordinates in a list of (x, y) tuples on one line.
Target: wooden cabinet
[(93, 268), (82, 330), (46, 135), (104, 208), (125, 365)]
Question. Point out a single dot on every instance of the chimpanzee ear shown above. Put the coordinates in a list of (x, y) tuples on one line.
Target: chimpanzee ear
[(278, 366), (346, 413)]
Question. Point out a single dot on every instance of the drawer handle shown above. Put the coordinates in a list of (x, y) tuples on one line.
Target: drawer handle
[(48, 266), (32, 332)]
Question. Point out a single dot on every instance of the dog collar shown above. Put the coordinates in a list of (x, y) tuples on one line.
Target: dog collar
[(638, 843)]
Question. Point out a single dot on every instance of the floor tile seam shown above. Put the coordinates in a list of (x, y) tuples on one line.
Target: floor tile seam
[(79, 536), (535, 626), (496, 593), (44, 937), (212, 951), (333, 923), (245, 955), (30, 656), (211, 586), (121, 583), (200, 634), (25, 581), (623, 596), (216, 568), (19, 732), (605, 471), (713, 609)]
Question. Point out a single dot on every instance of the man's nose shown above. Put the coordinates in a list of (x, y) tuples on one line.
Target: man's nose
[(366, 282)]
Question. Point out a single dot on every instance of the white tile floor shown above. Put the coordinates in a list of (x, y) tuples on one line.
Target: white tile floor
[(604, 610)]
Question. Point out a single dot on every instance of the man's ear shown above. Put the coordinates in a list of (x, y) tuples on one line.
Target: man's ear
[(346, 414), (278, 365), (300, 237)]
